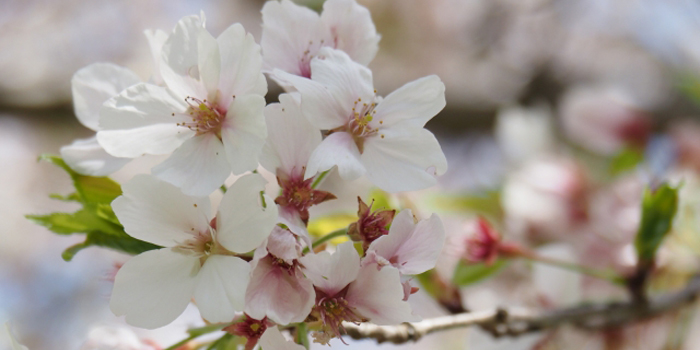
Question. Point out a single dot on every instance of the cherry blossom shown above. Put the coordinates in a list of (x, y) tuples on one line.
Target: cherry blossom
[(278, 288), (370, 225), (411, 247), (199, 256), (293, 35), (291, 140), (345, 291), (368, 135), (273, 339), (209, 114)]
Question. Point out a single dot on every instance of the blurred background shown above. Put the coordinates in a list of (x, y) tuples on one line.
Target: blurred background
[(541, 94)]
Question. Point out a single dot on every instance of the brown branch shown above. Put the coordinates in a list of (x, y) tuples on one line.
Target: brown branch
[(513, 322)]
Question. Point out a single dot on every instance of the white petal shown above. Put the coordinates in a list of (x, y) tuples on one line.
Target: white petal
[(412, 248), (241, 64), (318, 105), (291, 219), (209, 63), (157, 212), (180, 58), (332, 273), (95, 84), (403, 161), (279, 295), (353, 28), (283, 244), (156, 39), (345, 79), (87, 157), (139, 121), (337, 149), (198, 167), (413, 104), (273, 339), (378, 295), (242, 222), (153, 288), (221, 287), (13, 342), (291, 138), (287, 30), (244, 132)]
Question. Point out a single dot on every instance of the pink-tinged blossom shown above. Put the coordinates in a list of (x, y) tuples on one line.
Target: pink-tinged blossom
[(209, 114), (345, 291), (411, 247), (291, 140), (273, 339), (368, 135), (370, 225), (278, 288), (198, 260), (483, 244), (249, 328), (293, 35)]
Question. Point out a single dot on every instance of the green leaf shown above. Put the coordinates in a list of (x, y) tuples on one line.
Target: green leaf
[(82, 221), (659, 206), (122, 242), (73, 197), (470, 273), (625, 161), (224, 343), (487, 203), (90, 189)]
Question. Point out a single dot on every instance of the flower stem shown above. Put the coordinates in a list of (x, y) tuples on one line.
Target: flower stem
[(608, 275), (326, 238), (319, 178), (198, 332), (302, 335)]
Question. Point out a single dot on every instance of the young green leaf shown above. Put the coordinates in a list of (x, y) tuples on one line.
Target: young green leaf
[(90, 189), (658, 209), (469, 273)]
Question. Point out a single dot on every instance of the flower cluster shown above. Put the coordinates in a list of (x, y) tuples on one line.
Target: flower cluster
[(250, 263)]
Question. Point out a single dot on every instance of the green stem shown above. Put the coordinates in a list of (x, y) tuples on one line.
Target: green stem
[(302, 335), (198, 332), (319, 178), (326, 238), (608, 275)]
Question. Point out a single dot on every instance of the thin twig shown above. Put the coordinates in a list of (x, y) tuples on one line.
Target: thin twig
[(514, 322)]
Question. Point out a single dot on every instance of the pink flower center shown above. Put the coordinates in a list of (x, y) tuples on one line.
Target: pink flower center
[(206, 117), (200, 244), (333, 311)]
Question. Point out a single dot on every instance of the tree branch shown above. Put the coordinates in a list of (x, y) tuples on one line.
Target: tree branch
[(513, 322)]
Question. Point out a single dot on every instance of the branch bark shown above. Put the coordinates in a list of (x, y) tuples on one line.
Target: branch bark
[(514, 322)]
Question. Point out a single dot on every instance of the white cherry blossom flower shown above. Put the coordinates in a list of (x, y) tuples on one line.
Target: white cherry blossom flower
[(383, 139), (345, 291), (293, 35), (273, 339), (209, 115), (411, 247), (278, 288), (199, 256), (291, 140)]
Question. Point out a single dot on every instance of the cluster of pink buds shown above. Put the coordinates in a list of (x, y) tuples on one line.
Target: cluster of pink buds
[(486, 245)]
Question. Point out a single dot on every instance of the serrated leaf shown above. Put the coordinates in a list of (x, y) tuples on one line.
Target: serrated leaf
[(625, 161), (90, 189), (120, 242), (659, 207), (470, 273)]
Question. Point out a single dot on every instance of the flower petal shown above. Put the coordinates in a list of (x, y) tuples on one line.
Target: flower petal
[(157, 212), (337, 149), (411, 248), (288, 29), (332, 273), (87, 157), (208, 63), (221, 287), (378, 295), (416, 156), (13, 342), (153, 288), (273, 339), (282, 296), (156, 39), (353, 29), (241, 64), (244, 132), (242, 222), (198, 167), (292, 219), (95, 84), (180, 58), (291, 138), (346, 80), (140, 121), (413, 104)]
